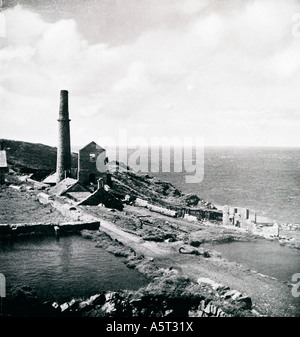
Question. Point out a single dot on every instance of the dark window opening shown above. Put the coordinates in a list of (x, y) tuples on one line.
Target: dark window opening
[(92, 178)]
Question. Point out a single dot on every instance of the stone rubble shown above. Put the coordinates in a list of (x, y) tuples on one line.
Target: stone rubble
[(116, 304)]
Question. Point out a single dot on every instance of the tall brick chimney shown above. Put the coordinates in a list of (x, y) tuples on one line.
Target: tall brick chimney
[(63, 167)]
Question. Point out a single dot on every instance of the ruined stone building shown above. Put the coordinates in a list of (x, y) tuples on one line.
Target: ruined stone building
[(236, 216), (91, 163)]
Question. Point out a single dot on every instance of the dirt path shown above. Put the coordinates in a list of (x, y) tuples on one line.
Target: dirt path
[(149, 249)]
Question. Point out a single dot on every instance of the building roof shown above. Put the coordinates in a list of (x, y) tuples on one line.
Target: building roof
[(94, 145), (78, 196), (66, 185), (51, 179)]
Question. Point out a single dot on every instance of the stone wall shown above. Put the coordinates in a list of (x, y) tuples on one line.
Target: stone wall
[(267, 231), (153, 208), (13, 230), (190, 214), (240, 217), (236, 216)]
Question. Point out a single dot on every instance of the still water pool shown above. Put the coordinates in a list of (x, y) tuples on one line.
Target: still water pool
[(59, 270), (264, 256)]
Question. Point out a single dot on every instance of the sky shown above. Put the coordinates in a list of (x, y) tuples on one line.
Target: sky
[(227, 72)]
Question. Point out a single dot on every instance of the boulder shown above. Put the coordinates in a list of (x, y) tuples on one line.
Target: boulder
[(247, 302), (213, 310), (73, 304), (191, 200), (168, 312), (84, 305), (64, 307), (219, 312), (201, 305), (97, 299), (214, 285), (195, 313), (45, 198), (109, 308), (190, 218), (204, 252), (207, 308), (236, 295), (231, 293)]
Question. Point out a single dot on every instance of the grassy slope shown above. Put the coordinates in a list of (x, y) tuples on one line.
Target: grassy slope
[(29, 157)]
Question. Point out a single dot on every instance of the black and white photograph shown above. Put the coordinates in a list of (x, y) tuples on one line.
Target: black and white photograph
[(150, 161)]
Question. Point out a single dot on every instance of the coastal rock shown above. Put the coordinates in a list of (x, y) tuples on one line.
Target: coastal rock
[(219, 312), (246, 300), (84, 305), (204, 252), (214, 285), (116, 304), (191, 218), (94, 300), (109, 308), (202, 305), (191, 200), (232, 294), (64, 307), (168, 313), (195, 313), (236, 295), (207, 308), (213, 309)]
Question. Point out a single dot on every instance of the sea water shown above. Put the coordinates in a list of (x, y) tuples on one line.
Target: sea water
[(265, 180)]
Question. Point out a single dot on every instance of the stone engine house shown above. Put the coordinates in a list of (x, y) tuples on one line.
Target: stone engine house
[(91, 163)]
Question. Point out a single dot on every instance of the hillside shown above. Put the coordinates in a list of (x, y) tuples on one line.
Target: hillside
[(27, 157), (152, 189)]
